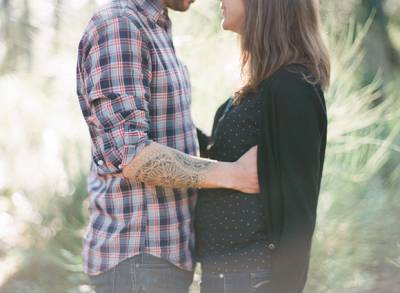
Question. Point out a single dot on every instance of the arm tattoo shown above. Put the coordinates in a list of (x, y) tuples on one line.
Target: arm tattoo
[(170, 168)]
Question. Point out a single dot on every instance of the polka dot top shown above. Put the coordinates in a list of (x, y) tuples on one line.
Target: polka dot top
[(230, 230)]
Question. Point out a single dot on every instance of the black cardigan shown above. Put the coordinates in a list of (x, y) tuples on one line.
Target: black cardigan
[(291, 154), (290, 163)]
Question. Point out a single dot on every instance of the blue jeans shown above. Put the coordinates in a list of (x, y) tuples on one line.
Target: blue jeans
[(143, 274), (241, 282)]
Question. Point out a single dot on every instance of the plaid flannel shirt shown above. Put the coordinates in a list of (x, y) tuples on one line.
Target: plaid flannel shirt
[(133, 90)]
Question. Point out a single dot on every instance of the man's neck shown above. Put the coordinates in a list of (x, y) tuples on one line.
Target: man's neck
[(163, 4)]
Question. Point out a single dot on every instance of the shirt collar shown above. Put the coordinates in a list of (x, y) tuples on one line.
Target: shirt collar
[(153, 9)]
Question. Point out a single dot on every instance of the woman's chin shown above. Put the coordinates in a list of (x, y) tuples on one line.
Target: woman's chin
[(225, 26), (229, 27)]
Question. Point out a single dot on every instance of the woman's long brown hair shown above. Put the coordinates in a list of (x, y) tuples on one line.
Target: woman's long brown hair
[(276, 33)]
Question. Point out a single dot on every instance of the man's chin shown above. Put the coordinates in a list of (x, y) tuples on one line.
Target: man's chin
[(179, 5), (184, 8)]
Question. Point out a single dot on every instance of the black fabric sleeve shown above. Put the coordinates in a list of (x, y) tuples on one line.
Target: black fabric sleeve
[(295, 125), (204, 141)]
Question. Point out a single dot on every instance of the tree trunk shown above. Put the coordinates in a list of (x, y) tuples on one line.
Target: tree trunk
[(381, 54)]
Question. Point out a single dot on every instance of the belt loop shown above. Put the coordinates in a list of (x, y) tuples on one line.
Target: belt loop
[(114, 276), (223, 279), (133, 264)]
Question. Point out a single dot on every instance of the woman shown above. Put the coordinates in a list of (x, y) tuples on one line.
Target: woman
[(261, 243)]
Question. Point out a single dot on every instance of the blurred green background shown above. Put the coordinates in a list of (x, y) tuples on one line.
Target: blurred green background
[(44, 142)]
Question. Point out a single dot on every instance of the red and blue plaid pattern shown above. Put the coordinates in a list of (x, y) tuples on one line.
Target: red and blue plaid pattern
[(133, 90)]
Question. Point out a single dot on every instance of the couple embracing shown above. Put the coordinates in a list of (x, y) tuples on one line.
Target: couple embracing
[(246, 209)]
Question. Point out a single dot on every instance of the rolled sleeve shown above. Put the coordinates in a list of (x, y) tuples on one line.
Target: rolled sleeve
[(116, 93)]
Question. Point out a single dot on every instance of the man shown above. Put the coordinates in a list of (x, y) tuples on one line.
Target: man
[(135, 97)]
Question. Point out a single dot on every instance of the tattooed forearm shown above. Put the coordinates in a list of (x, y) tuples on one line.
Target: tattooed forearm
[(191, 162), (162, 166), (159, 165)]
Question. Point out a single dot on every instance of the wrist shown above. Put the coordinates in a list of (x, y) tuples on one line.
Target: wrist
[(231, 175), (221, 175)]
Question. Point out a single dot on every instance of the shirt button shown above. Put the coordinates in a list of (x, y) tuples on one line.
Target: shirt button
[(221, 276), (271, 246), (100, 162)]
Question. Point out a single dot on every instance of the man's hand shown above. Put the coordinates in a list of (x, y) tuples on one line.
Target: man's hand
[(247, 175)]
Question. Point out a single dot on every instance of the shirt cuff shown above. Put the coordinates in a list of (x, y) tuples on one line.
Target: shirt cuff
[(116, 159)]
